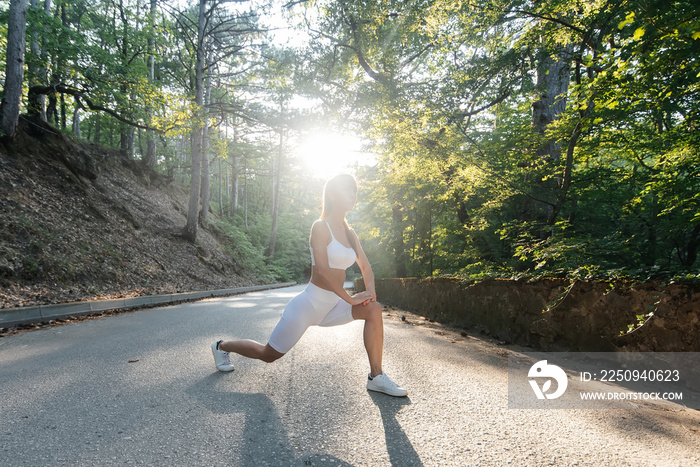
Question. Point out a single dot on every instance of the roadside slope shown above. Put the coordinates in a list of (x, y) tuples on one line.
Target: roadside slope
[(81, 222)]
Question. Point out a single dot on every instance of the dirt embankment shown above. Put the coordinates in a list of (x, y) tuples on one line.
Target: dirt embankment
[(559, 314), (81, 222)]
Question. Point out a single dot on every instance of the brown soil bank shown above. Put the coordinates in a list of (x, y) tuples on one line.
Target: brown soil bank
[(556, 314), (81, 222)]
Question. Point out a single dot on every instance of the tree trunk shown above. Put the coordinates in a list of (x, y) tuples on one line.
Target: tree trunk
[(568, 168), (206, 173), (553, 76), (234, 174), (98, 128), (62, 66), (64, 112), (130, 141), (126, 141), (38, 69), (552, 85), (190, 230), (228, 188), (149, 159), (52, 106), (276, 185), (691, 248), (76, 122), (566, 179), (397, 227), (124, 138), (245, 192), (123, 141), (430, 237), (234, 185), (221, 188), (56, 77), (205, 188), (14, 67), (44, 70), (34, 104), (221, 168)]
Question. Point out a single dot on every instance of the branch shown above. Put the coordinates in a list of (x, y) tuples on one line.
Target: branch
[(568, 167), (497, 175), (549, 18), (380, 77), (504, 95), (416, 55), (80, 96), (361, 57), (179, 17)]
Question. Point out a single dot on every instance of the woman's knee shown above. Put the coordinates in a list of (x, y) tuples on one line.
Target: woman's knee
[(271, 355), (376, 310), (371, 311)]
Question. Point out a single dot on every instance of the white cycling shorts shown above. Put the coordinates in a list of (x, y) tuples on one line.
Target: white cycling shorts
[(312, 307)]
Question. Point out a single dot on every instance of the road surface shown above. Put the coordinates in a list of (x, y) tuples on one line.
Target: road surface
[(141, 388)]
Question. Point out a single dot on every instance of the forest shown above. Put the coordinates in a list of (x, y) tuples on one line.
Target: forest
[(490, 138)]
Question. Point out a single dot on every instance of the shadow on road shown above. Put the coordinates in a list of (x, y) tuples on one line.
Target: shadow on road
[(401, 451), (264, 440)]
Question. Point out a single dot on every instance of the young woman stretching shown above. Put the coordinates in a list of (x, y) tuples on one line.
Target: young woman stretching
[(334, 248)]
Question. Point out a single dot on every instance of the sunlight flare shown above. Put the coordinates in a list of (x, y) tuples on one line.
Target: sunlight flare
[(325, 153)]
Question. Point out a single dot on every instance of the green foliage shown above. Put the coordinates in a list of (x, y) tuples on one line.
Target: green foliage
[(459, 191), (248, 241), (245, 252), (445, 90), (291, 261)]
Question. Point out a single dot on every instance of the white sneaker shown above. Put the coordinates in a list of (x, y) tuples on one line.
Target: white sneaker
[(382, 383), (221, 358)]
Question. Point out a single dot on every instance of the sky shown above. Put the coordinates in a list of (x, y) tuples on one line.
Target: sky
[(324, 152)]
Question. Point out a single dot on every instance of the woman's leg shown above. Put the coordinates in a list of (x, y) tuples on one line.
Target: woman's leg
[(373, 334), (289, 329), (374, 343), (251, 349)]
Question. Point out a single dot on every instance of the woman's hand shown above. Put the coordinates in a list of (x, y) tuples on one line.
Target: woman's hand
[(363, 298)]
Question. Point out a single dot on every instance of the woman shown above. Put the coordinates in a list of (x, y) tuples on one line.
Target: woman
[(334, 248)]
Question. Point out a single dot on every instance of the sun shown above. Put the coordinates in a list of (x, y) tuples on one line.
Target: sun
[(326, 153)]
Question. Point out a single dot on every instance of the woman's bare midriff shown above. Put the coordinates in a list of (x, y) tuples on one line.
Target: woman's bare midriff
[(336, 275)]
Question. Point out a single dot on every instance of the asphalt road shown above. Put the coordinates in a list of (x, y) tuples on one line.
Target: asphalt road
[(141, 388)]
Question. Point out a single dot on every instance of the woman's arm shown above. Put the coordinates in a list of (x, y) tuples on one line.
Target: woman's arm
[(365, 267), (332, 279)]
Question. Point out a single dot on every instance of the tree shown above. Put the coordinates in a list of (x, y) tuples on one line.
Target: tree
[(531, 111), (205, 195), (227, 35), (190, 229), (276, 172), (38, 65), (14, 67), (149, 159)]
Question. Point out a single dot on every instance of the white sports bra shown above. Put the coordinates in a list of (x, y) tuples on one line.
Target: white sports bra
[(339, 256)]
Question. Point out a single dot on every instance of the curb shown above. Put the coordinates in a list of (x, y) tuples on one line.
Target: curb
[(10, 317)]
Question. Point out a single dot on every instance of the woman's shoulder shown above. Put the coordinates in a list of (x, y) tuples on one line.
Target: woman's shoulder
[(319, 227), (317, 223)]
